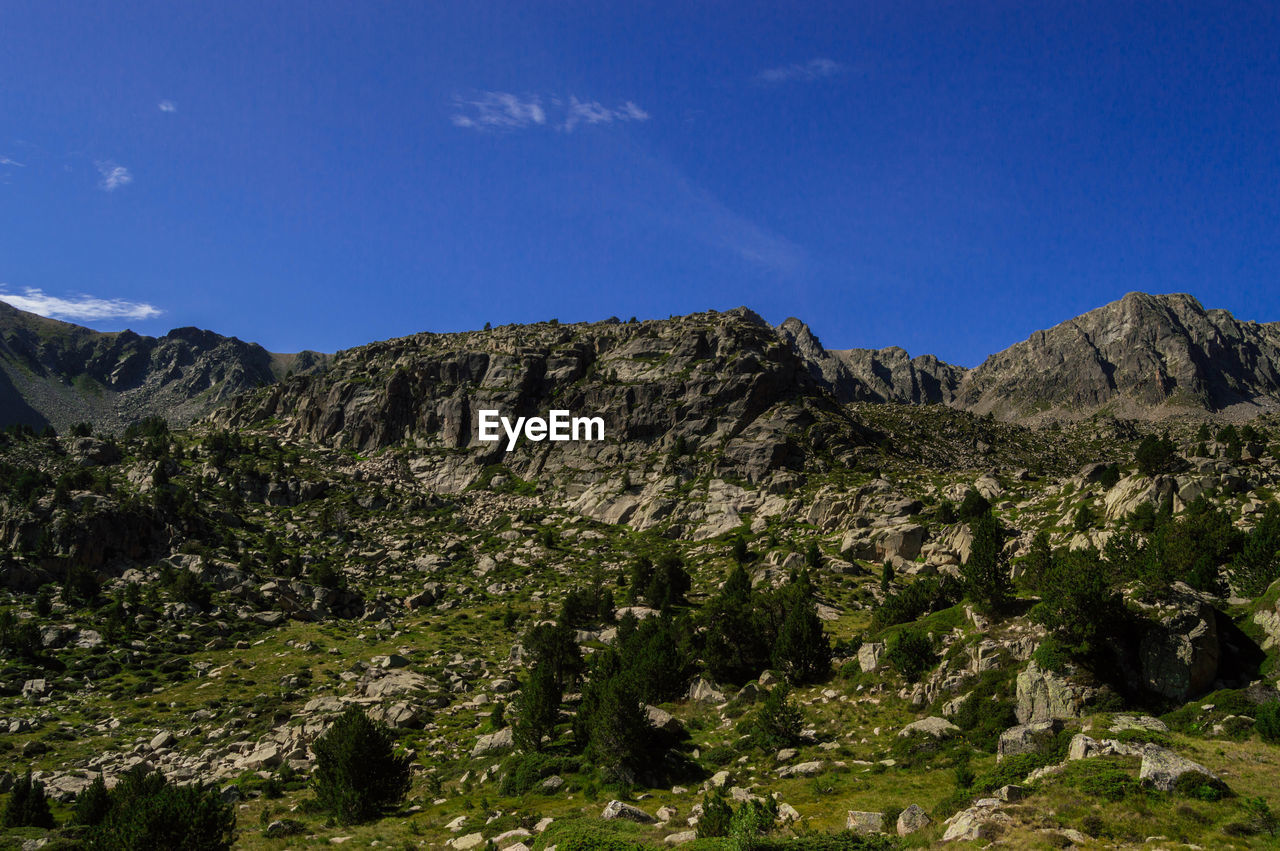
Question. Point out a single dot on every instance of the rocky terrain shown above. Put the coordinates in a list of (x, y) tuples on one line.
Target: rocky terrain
[(57, 374), (768, 610)]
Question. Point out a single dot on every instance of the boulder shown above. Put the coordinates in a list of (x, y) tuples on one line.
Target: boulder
[(1161, 768), (911, 819), (900, 541), (939, 728), (494, 743), (619, 810), (1027, 738), (163, 740), (1046, 696), (801, 769), (864, 822), (1146, 723), (1178, 655), (980, 822), (663, 720), (870, 654), (704, 691)]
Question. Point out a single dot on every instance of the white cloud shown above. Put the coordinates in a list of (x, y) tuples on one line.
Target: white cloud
[(167, 106), (113, 176), (814, 69), (78, 306), (6, 161), (593, 112), (506, 111), (499, 111)]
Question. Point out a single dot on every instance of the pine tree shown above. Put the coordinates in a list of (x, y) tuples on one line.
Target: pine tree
[(144, 812), (802, 651), (28, 806), (615, 727), (986, 574), (358, 774), (93, 804), (736, 648), (539, 709), (778, 721), (1036, 565)]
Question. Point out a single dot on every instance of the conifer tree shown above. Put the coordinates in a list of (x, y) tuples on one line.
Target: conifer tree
[(28, 806)]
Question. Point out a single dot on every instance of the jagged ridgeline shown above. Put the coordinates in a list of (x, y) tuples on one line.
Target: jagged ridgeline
[(57, 374), (795, 600)]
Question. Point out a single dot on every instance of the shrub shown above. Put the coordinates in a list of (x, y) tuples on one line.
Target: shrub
[(146, 812), (716, 815), (28, 806), (358, 774), (522, 772), (1154, 455), (1267, 721), (1102, 779), (1201, 787), (911, 654), (973, 506), (778, 721)]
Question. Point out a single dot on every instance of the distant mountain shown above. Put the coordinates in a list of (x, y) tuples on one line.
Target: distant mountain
[(1145, 356), (55, 373)]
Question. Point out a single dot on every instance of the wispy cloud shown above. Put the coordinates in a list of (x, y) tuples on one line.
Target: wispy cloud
[(507, 111), (167, 106), (78, 306), (113, 176), (499, 111), (6, 161), (814, 69), (593, 112)]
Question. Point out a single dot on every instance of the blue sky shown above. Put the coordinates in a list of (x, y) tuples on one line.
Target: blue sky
[(944, 176)]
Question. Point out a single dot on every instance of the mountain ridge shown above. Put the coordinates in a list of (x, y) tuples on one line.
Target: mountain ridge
[(1143, 356)]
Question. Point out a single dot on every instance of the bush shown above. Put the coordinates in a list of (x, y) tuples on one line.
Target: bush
[(973, 506), (1154, 455), (28, 806), (911, 654), (778, 721), (146, 812), (1201, 787), (1101, 778), (358, 774), (716, 815), (582, 835), (1267, 721), (522, 772)]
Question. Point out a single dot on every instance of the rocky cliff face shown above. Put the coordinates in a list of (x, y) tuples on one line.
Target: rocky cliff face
[(875, 375), (1144, 355), (723, 388), (55, 373)]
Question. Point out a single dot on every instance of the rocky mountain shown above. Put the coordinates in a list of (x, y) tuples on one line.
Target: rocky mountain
[(56, 373), (1144, 355), (766, 603)]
